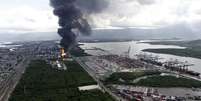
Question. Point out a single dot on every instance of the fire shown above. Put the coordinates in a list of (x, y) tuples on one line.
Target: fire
[(62, 52)]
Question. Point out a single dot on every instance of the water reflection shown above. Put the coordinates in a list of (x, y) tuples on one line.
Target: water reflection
[(136, 48)]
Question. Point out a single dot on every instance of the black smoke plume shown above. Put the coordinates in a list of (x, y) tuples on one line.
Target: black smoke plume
[(72, 20)]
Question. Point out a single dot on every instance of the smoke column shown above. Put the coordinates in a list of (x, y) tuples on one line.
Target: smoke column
[(71, 18)]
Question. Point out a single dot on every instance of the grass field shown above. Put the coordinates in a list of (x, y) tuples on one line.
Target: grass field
[(153, 80), (169, 81), (193, 48), (43, 83), (128, 77), (188, 52)]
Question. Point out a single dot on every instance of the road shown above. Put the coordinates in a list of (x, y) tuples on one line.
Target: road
[(93, 75), (13, 80)]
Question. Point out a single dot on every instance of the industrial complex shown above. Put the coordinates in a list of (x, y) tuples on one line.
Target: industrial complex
[(122, 77), (103, 66)]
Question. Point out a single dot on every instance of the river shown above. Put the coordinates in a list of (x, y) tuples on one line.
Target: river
[(8, 45), (136, 47)]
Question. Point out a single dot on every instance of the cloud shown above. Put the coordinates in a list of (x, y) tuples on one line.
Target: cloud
[(30, 20), (92, 6), (149, 13), (26, 18), (146, 2), (141, 14)]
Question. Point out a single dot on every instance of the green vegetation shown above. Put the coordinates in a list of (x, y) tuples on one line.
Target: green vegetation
[(128, 77), (153, 80), (193, 48), (188, 52), (177, 43), (43, 83), (189, 44), (169, 81), (77, 75)]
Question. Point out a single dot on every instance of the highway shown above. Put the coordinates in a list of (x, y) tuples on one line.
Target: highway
[(93, 75), (26, 52), (13, 80)]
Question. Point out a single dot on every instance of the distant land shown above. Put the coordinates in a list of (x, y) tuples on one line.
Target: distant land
[(193, 48), (109, 35), (36, 36)]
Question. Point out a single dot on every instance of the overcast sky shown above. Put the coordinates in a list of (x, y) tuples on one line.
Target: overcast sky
[(26, 16), (36, 15)]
